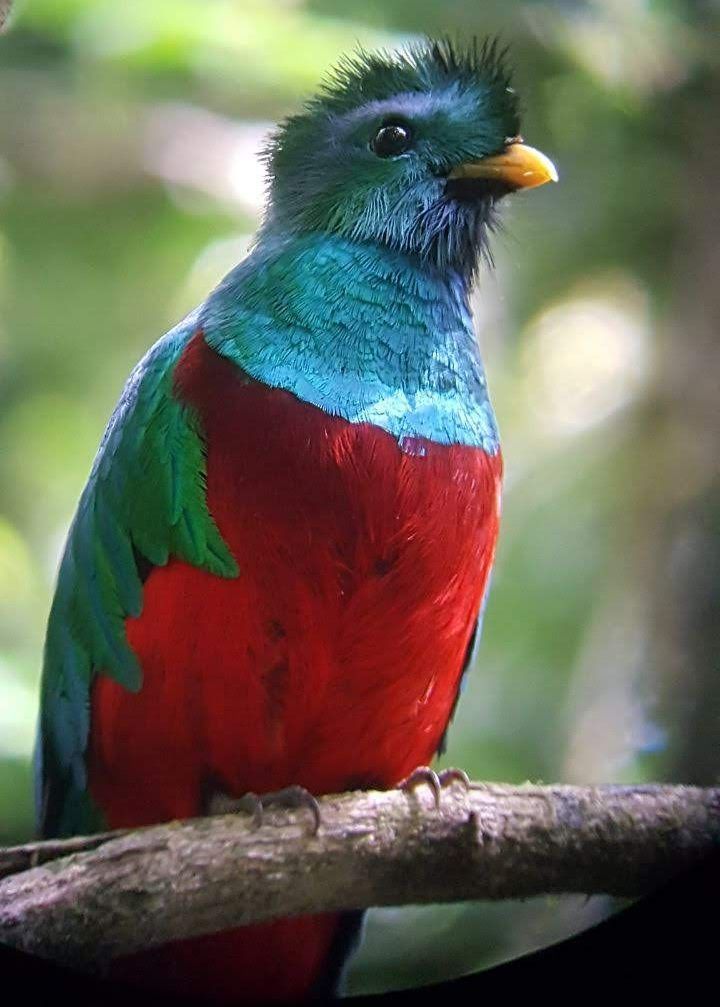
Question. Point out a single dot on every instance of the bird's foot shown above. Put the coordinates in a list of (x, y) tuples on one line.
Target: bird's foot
[(255, 804), (437, 782)]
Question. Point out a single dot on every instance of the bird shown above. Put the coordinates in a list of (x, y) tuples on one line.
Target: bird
[(275, 576)]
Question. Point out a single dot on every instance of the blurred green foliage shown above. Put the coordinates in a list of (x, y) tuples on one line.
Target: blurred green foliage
[(129, 184)]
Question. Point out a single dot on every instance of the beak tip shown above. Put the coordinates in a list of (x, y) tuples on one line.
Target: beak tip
[(544, 166), (521, 166)]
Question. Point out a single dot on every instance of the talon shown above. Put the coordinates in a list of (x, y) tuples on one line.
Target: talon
[(436, 781), (255, 804), (423, 774), (294, 796), (449, 776), (249, 804)]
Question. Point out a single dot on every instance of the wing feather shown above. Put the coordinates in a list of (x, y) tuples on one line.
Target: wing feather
[(145, 496)]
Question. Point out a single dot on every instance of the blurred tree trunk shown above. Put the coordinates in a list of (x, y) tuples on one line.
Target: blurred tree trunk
[(652, 653), (683, 545)]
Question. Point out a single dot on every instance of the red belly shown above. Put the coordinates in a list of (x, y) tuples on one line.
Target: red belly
[(332, 661)]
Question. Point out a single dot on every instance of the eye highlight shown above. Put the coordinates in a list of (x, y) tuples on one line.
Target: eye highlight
[(392, 139)]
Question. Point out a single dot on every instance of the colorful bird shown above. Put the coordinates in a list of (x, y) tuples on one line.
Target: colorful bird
[(276, 569)]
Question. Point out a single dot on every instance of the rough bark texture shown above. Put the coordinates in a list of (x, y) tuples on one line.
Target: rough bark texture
[(5, 12), (125, 892)]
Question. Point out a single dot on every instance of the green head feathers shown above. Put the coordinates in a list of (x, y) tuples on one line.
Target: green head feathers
[(374, 155)]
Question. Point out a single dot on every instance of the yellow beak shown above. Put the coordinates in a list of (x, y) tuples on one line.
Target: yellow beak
[(520, 166)]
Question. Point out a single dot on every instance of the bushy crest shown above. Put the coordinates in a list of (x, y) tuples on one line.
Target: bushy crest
[(424, 66), (458, 104)]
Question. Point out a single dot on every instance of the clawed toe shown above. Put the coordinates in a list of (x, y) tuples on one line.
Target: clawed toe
[(423, 774), (221, 803), (255, 804), (437, 782), (294, 797), (452, 775)]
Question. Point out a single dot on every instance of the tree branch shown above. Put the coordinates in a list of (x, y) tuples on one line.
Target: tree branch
[(94, 898), (5, 11)]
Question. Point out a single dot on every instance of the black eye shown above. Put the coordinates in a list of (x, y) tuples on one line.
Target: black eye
[(391, 139)]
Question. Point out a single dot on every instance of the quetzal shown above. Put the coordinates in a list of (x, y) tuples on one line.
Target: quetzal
[(276, 569)]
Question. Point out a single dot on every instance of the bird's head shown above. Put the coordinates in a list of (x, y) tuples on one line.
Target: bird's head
[(412, 150)]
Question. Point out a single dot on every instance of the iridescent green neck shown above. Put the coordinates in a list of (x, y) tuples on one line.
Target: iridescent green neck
[(359, 331)]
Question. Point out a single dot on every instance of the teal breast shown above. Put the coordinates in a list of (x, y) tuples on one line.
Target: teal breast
[(364, 333)]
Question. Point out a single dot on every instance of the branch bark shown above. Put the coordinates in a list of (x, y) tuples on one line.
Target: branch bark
[(94, 898)]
